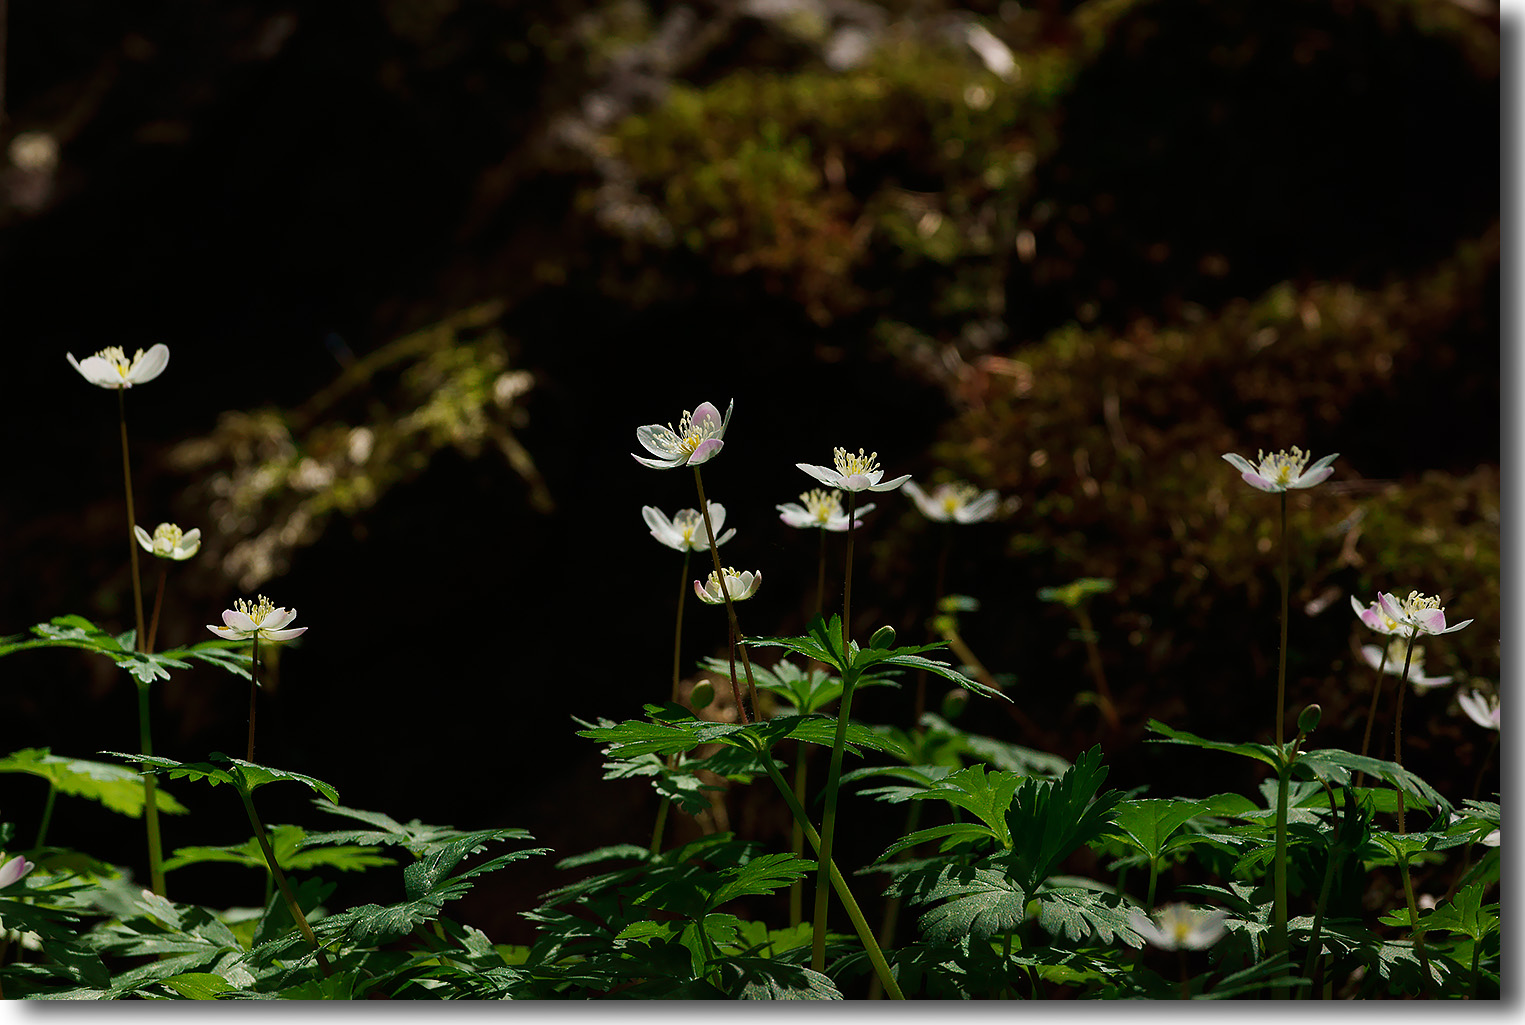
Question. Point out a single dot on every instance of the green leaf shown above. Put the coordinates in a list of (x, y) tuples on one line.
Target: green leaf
[(198, 985), (1464, 915), (947, 672), (286, 842), (1146, 825), (1049, 819), (222, 768), (119, 789), (1259, 752), (953, 834), (980, 902), (762, 876), (1081, 914), (1334, 767), (1002, 755), (763, 979), (986, 796)]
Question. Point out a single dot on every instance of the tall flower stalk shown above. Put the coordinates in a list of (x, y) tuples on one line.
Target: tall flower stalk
[(253, 621)]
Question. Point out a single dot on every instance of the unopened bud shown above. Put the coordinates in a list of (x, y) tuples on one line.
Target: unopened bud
[(1308, 721), (883, 639), (702, 694), (954, 703)]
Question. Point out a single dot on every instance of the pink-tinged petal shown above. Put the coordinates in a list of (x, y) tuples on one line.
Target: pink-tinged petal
[(659, 464), (238, 621), (1239, 463), (705, 411), (277, 618), (1453, 629), (283, 635), (14, 869), (150, 366), (1390, 606), (705, 596), (1322, 464), (889, 485), (1255, 480), (705, 451), (831, 478), (1312, 478), (1423, 683), (794, 514), (855, 482), (1431, 621), (659, 441)]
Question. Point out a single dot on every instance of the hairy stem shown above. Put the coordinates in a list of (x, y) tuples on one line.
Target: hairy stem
[(797, 835), (150, 787), (865, 934), (1323, 901), (1279, 912)]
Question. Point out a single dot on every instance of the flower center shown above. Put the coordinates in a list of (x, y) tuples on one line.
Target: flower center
[(256, 610), (688, 522), (167, 533), (823, 506), (1283, 467), (114, 355), (849, 465), (691, 435), (1181, 929), (956, 496), (732, 581), (1416, 603)]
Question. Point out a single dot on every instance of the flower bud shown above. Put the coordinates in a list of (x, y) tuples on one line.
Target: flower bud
[(954, 703), (1307, 722), (883, 638), (702, 694)]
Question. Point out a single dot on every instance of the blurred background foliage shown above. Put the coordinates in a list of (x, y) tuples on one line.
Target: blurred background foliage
[(424, 264)]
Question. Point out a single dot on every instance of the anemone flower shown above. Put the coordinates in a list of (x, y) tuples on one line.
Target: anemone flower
[(110, 368), (168, 542), (958, 502), (1391, 663), (823, 509), (697, 439), (1282, 471), (1373, 617), (1179, 927), (853, 472), (1417, 614), (1481, 708), (739, 586), (257, 619), (685, 531), (13, 870)]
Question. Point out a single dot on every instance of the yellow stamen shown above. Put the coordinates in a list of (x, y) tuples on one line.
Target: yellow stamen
[(257, 610), (823, 506), (849, 465)]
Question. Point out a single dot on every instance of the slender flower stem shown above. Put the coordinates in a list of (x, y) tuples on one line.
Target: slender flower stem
[(725, 593), (1093, 656), (280, 880), (47, 814), (1154, 877), (677, 674), (797, 834), (1279, 911), (820, 574), (1323, 901), (865, 934), (1371, 713), (1281, 667), (153, 622), (150, 799), (1477, 784), (132, 520), (253, 689), (1403, 686), (834, 772)]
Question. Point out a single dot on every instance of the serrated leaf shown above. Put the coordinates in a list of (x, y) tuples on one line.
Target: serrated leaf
[(1146, 825), (1259, 752), (762, 875), (222, 768), (287, 843), (118, 788), (998, 753), (198, 985), (763, 979), (1334, 767), (1079, 914), (979, 902), (1049, 819), (948, 673)]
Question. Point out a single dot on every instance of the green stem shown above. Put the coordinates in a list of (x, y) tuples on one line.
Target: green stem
[(656, 830), (1477, 948), (1403, 686), (1185, 975), (150, 798), (132, 520), (1154, 875), (1323, 900), (1279, 913), (253, 689), (1281, 667), (677, 675), (1371, 713), (847, 583), (153, 622), (892, 906), (280, 879), (1415, 936), (1093, 656), (797, 835), (47, 814), (725, 594), (1477, 784), (820, 575), (865, 934)]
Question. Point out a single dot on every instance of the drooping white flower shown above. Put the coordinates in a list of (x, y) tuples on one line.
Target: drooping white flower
[(959, 502), (257, 618), (853, 472), (1282, 471), (110, 368), (13, 870), (168, 542), (685, 531), (1397, 654), (1179, 927), (698, 438), (822, 509), (1373, 617), (739, 585), (1481, 708), (1417, 614)]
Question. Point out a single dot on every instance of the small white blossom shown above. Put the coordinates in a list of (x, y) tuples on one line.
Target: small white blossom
[(13, 870), (685, 531), (168, 542), (698, 438), (822, 509), (853, 472), (1481, 708), (1179, 927), (738, 585), (257, 618), (1281, 471), (959, 502), (1373, 617), (1397, 654), (1417, 614), (110, 368)]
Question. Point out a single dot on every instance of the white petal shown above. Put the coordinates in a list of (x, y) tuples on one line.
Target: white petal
[(659, 464), (890, 485), (98, 372), (276, 619), (659, 441), (1239, 463), (831, 478), (982, 508), (150, 366), (143, 537), (283, 635), (238, 621)]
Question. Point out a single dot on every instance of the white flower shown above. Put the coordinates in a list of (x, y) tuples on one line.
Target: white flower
[(685, 531), (740, 586), (1417, 614), (1180, 927), (110, 368), (1397, 654), (821, 509), (168, 542), (854, 472), (1280, 471), (259, 618), (1481, 708), (1373, 616), (697, 439), (959, 502), (13, 870)]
